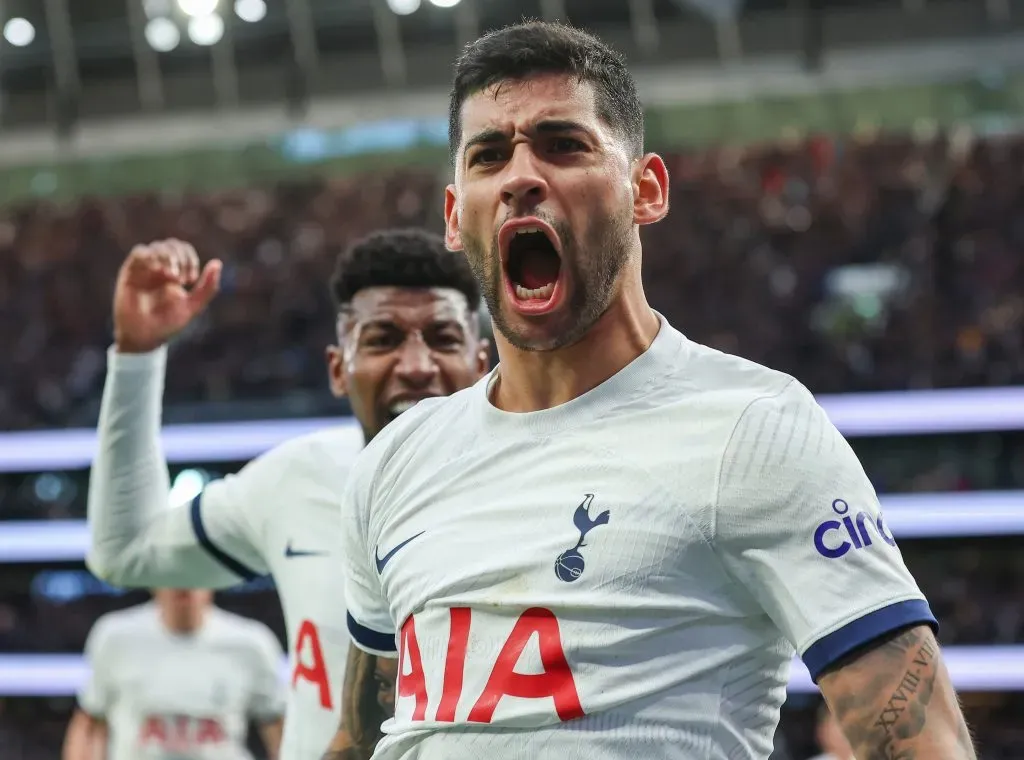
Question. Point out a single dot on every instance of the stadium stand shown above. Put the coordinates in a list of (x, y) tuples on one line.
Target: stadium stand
[(880, 264)]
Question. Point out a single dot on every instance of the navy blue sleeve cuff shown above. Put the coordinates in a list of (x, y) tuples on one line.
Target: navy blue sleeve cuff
[(863, 630), (369, 638), (212, 549)]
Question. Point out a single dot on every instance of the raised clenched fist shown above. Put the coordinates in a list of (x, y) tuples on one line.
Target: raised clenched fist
[(160, 289)]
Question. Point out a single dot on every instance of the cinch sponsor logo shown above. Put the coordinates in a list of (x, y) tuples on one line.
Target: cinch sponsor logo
[(834, 538)]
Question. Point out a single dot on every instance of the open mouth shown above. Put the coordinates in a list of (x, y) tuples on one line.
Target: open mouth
[(533, 267), (402, 405)]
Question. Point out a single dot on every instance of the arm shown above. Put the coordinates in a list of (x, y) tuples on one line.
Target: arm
[(135, 539), (895, 701), (270, 734), (367, 700), (87, 733), (799, 526), (268, 697), (86, 738)]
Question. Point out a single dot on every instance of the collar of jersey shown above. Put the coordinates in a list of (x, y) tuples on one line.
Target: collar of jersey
[(613, 392)]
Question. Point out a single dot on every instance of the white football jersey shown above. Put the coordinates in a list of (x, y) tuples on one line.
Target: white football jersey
[(167, 696), (626, 575), (278, 516)]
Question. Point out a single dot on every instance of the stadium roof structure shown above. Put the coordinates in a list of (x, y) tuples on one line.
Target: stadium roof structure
[(65, 63)]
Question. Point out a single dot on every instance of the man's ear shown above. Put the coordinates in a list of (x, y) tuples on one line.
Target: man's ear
[(337, 376), (650, 190), (452, 232)]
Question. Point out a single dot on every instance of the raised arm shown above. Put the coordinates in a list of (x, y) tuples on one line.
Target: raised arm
[(895, 701), (136, 539)]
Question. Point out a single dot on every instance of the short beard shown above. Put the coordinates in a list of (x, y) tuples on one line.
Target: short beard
[(594, 288)]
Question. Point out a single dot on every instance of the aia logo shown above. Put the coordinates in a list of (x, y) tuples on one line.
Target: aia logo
[(834, 538), (180, 733), (553, 681), (310, 665), (570, 564)]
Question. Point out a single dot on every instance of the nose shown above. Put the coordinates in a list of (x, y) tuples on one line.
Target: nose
[(524, 186), (416, 366)]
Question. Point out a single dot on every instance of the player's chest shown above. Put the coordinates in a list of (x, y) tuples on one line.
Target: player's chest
[(303, 549), (561, 518), (185, 680), (306, 565)]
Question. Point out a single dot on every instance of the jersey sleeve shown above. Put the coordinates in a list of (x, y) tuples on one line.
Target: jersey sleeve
[(267, 701), (369, 619), (797, 522), (136, 538), (229, 517), (96, 695)]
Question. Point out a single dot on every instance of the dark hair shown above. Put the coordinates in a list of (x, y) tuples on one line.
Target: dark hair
[(538, 47), (406, 258)]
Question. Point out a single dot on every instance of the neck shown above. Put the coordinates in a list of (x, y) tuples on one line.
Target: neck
[(530, 381), (184, 623)]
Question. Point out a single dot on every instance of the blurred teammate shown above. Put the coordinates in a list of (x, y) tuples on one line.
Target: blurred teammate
[(177, 678), (407, 329), (830, 737), (612, 546)]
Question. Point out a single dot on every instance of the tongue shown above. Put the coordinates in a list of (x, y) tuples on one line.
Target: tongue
[(538, 268)]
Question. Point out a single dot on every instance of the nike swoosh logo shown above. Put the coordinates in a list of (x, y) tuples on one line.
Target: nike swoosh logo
[(381, 561), (289, 552)]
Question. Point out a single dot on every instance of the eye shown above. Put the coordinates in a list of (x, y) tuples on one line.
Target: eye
[(448, 340), (485, 156), (380, 341), (566, 145)]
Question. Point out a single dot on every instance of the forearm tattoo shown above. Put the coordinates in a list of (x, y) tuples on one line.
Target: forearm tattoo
[(883, 702)]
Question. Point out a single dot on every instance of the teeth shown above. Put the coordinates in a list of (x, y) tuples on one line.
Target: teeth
[(541, 294), (528, 230), (400, 407)]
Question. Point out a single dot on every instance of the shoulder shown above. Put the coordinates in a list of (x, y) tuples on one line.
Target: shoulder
[(429, 413), (730, 379), (244, 632), (415, 431), (332, 447), (113, 627), (698, 386), (312, 469), (742, 390)]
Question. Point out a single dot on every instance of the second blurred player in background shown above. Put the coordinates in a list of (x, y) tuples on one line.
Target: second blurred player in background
[(407, 329), (177, 678)]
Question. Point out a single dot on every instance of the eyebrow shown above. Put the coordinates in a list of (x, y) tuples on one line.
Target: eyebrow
[(546, 127), (485, 137), (386, 323)]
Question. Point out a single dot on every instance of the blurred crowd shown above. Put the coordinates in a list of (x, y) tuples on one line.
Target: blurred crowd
[(854, 264), (869, 264)]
